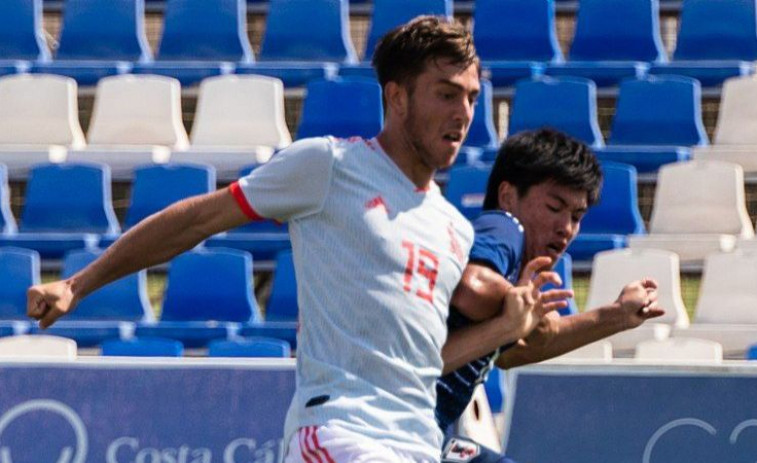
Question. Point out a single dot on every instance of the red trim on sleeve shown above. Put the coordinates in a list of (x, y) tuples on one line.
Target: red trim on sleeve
[(236, 192)]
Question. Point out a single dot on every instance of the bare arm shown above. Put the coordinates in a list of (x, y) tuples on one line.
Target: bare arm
[(556, 335), (156, 239)]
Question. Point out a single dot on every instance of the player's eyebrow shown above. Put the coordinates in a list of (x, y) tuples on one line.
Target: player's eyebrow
[(447, 81)]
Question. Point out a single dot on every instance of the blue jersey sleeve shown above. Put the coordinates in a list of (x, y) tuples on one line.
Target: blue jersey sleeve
[(499, 243)]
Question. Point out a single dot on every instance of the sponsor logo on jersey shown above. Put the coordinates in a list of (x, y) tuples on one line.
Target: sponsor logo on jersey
[(460, 451)]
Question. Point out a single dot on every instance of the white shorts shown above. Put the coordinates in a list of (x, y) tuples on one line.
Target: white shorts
[(330, 444)]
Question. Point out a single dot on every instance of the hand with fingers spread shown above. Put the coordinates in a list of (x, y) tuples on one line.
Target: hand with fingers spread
[(638, 302), (526, 304), (50, 301)]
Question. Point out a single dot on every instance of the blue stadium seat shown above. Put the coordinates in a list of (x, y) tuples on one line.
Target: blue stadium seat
[(495, 392), (286, 331), (263, 239), (109, 312), (143, 347), (614, 40), (386, 15), (751, 353), (466, 189), (21, 34), (717, 39), (209, 292), (7, 221), (482, 133), (99, 38), (19, 269), (250, 347), (304, 40), (201, 38), (563, 103), (157, 186), (648, 134), (514, 38), (67, 206), (342, 107), (282, 303), (607, 225)]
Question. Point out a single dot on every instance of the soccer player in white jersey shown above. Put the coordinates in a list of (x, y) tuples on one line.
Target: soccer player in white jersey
[(377, 251)]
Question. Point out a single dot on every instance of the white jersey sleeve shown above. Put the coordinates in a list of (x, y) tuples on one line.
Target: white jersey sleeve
[(293, 184)]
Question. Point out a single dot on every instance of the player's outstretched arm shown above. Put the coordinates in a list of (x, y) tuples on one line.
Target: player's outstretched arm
[(556, 335), (155, 240), (518, 310)]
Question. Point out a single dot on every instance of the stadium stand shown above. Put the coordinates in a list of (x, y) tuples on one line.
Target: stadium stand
[(611, 270), (614, 40), (725, 311), (597, 351), (282, 303), (209, 292), (648, 134), (515, 38), (201, 38), (717, 39), (19, 269), (99, 38), (564, 268), (7, 220), (22, 38), (39, 121), (143, 347), (466, 189), (482, 134), (685, 350), (239, 121), (686, 193), (342, 107), (607, 225), (250, 347), (39, 347), (66, 206), (563, 103), (136, 120)]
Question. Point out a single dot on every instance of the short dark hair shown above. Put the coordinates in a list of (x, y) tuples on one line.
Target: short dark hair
[(533, 157), (402, 53)]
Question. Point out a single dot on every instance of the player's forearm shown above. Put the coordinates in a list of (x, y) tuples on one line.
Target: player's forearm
[(474, 341), (564, 335)]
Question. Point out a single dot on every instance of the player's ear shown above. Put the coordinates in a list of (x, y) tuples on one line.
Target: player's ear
[(396, 98), (507, 194)]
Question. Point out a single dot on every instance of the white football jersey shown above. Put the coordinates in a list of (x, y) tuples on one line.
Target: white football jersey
[(377, 260)]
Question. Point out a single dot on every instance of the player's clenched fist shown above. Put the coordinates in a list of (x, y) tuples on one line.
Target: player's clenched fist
[(638, 301), (49, 301)]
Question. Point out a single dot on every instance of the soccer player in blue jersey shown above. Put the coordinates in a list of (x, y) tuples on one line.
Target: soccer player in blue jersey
[(541, 185)]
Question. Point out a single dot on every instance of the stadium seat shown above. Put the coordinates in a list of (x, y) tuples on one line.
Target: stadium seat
[(568, 104), (686, 193), (607, 224), (726, 308), (717, 39), (477, 421), (751, 354), (735, 139), (22, 38), (614, 40), (201, 38), (209, 292), (284, 330), (342, 107), (596, 351), (143, 347), (136, 120), (466, 189), (482, 133), (515, 38), (612, 270), (37, 347), (385, 16), (304, 40), (39, 121), (99, 38), (19, 269), (685, 350), (109, 312), (250, 347), (647, 134), (282, 303), (7, 221), (66, 207), (564, 268), (239, 120)]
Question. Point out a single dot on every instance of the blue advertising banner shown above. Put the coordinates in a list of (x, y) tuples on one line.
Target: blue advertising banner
[(182, 412), (633, 414)]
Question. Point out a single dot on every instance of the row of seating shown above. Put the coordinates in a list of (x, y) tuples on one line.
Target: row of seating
[(304, 39)]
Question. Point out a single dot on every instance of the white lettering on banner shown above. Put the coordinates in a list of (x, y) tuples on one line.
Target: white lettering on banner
[(181, 454), (695, 422), (269, 451)]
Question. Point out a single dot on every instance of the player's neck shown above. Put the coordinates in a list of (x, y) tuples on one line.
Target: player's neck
[(401, 150)]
